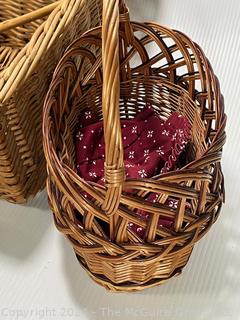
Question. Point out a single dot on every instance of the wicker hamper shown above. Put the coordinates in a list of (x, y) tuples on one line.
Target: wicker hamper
[(140, 64), (33, 37)]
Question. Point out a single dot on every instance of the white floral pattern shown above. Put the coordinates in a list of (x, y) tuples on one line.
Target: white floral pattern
[(88, 114), (131, 154), (180, 132), (142, 173), (160, 151), (134, 129), (150, 133), (173, 204), (92, 174), (146, 152), (174, 137), (80, 136), (165, 132)]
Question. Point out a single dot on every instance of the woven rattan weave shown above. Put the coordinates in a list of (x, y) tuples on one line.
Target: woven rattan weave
[(33, 37), (140, 64)]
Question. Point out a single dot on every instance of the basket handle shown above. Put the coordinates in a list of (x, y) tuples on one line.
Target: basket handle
[(37, 14), (114, 156)]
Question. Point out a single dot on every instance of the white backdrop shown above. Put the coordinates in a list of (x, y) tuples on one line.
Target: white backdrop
[(39, 275)]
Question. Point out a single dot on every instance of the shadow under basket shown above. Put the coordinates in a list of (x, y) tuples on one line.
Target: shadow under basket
[(141, 64)]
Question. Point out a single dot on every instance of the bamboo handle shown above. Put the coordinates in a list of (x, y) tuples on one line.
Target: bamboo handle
[(37, 14), (114, 162)]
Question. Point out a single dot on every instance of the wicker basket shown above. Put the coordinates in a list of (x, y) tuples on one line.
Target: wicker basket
[(157, 66), (33, 37)]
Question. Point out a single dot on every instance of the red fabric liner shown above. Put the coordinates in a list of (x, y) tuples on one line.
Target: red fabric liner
[(151, 146)]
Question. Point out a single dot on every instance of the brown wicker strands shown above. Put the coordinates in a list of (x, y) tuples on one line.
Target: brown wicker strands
[(142, 63), (33, 36)]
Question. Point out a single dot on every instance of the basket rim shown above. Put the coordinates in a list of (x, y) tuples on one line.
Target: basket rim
[(158, 81)]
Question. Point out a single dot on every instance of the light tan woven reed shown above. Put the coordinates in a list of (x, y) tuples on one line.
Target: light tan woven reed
[(160, 67), (33, 37)]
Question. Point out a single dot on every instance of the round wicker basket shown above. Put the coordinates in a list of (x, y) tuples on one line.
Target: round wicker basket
[(126, 66)]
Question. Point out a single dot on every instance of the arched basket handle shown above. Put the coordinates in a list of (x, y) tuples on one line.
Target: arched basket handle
[(114, 156)]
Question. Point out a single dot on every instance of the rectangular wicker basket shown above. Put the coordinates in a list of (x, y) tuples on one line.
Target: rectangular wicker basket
[(33, 36)]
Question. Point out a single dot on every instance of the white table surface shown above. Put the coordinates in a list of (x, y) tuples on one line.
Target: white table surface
[(40, 277)]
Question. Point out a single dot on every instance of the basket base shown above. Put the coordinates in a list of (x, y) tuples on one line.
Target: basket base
[(126, 287)]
